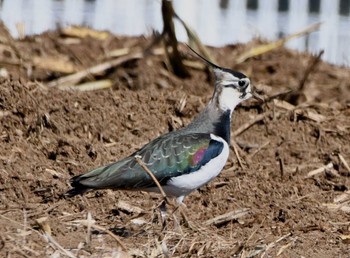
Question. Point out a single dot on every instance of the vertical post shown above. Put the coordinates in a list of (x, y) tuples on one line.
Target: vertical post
[(104, 15), (188, 11), (297, 21), (328, 39), (43, 18), (73, 12), (209, 28), (131, 19), (153, 15), (170, 40), (237, 22), (268, 19), (12, 13)]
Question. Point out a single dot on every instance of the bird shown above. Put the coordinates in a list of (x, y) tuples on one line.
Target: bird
[(182, 160)]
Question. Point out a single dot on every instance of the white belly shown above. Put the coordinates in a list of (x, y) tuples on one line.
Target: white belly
[(183, 185)]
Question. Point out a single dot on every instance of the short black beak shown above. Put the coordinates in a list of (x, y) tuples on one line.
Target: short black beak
[(257, 96)]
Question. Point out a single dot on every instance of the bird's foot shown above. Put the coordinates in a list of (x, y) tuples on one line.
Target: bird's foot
[(187, 223), (163, 214)]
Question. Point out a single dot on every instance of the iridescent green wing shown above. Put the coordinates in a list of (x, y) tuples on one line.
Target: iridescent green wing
[(167, 156)]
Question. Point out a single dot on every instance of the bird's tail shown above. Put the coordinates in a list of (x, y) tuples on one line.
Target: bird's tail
[(99, 178), (78, 188)]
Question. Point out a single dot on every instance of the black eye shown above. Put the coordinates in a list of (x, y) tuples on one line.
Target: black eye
[(241, 83)]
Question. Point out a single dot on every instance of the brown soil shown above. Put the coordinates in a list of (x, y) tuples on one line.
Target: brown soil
[(48, 135)]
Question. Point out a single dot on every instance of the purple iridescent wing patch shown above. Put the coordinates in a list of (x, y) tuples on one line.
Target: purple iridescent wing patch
[(198, 156)]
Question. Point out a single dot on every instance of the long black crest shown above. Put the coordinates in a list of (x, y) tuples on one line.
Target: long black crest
[(204, 59), (234, 73)]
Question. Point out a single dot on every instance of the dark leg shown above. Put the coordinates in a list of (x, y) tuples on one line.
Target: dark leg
[(163, 213)]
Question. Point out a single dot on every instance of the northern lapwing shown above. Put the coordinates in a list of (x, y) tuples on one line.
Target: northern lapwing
[(183, 160)]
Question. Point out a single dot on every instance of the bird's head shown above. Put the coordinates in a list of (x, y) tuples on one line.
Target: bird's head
[(231, 87)]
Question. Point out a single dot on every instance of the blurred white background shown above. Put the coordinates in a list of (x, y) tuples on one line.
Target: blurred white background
[(217, 22)]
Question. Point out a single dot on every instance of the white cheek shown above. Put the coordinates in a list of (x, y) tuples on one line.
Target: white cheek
[(229, 99), (248, 95)]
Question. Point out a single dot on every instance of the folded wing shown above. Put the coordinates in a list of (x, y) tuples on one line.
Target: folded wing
[(167, 156)]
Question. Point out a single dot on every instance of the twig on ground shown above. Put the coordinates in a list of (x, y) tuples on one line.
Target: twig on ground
[(227, 217), (16, 249), (93, 225), (76, 77), (343, 161), (182, 239), (118, 52), (121, 244), (298, 110), (234, 147), (311, 67), (187, 222), (125, 206), (90, 222), (25, 224), (243, 254), (245, 126), (40, 210), (88, 86), (259, 149), (54, 63), (298, 96), (319, 170), (143, 165), (281, 163), (82, 32), (340, 223), (264, 48), (271, 245), (343, 197), (28, 249), (284, 247), (165, 201), (46, 233), (277, 95), (57, 246)]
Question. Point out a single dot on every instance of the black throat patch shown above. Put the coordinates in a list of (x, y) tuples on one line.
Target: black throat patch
[(222, 127)]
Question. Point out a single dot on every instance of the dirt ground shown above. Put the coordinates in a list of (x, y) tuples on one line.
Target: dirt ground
[(48, 135)]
